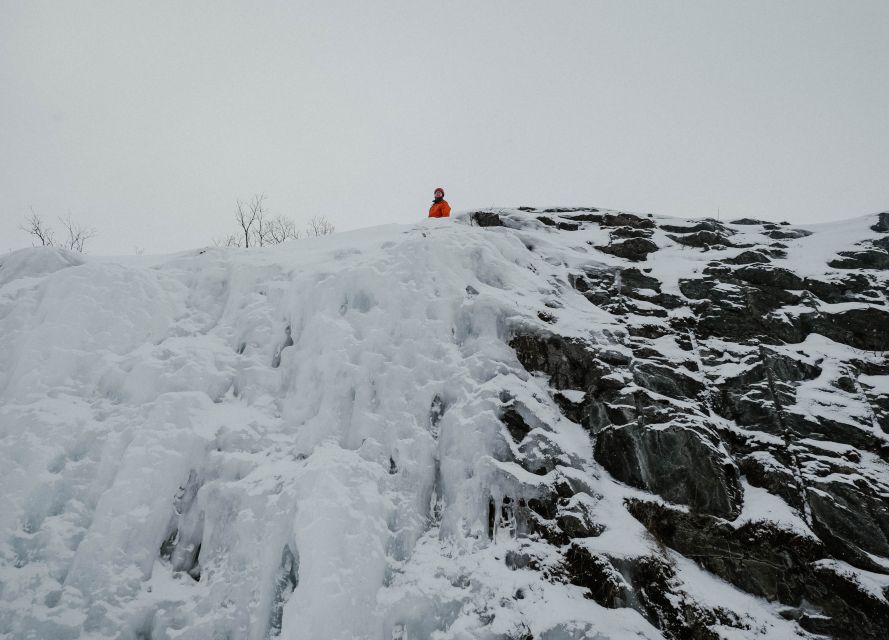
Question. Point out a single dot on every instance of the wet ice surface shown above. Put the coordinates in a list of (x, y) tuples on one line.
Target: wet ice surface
[(305, 442)]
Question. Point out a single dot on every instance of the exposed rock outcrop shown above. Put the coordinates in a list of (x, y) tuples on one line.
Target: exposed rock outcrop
[(754, 374), (681, 463), (636, 249)]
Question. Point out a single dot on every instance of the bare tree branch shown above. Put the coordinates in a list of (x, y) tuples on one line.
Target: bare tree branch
[(38, 229), (319, 226), (77, 235), (258, 228), (246, 216), (260, 233), (231, 240), (279, 230)]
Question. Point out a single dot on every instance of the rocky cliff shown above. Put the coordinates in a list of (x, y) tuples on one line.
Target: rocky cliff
[(762, 379), (521, 423)]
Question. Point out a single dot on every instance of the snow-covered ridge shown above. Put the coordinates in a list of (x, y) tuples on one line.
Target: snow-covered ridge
[(483, 427)]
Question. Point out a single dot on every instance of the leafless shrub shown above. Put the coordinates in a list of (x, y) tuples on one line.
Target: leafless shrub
[(279, 230), (39, 230), (75, 238), (273, 230), (246, 216), (232, 240), (259, 229), (319, 226), (77, 235)]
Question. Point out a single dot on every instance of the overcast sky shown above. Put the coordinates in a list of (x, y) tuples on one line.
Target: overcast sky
[(147, 120)]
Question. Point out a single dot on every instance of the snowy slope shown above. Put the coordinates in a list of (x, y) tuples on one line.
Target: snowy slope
[(346, 438)]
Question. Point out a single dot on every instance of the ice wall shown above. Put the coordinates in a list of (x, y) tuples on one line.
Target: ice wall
[(187, 440)]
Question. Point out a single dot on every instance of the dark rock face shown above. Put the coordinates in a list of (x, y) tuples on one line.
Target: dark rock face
[(666, 380), (569, 210), (630, 232), (860, 328), (621, 291), (596, 573), (769, 277), (704, 239), (786, 234), (515, 424), (757, 396), (748, 257), (586, 217), (758, 557), (681, 464), (762, 469), (486, 219), (574, 365), (867, 259), (647, 585), (847, 288), (882, 224), (855, 521), (740, 311), (775, 563), (751, 380), (627, 220), (559, 224), (706, 225), (749, 221), (636, 249), (571, 363)]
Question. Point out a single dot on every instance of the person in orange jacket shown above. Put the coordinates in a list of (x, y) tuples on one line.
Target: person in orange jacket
[(440, 207)]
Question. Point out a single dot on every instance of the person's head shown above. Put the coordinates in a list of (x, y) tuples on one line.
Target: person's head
[(439, 193)]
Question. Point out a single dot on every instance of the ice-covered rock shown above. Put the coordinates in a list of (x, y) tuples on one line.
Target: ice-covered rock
[(555, 424)]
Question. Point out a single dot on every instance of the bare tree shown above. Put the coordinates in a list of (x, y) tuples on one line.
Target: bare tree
[(319, 226), (261, 230), (272, 230), (258, 229), (39, 230), (279, 230), (246, 216), (232, 240), (75, 238), (77, 235)]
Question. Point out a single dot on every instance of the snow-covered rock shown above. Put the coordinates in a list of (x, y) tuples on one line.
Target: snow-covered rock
[(517, 423)]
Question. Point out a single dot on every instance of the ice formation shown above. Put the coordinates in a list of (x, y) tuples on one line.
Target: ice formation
[(507, 425)]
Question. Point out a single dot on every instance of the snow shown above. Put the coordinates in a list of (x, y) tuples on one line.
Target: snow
[(257, 411), (762, 619), (128, 382), (809, 256), (880, 384), (573, 395), (34, 263), (876, 584), (760, 505)]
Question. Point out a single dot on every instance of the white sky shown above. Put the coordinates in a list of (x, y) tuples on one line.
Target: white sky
[(146, 120)]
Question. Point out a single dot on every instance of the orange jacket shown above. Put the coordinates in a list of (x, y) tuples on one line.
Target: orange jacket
[(440, 209)]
